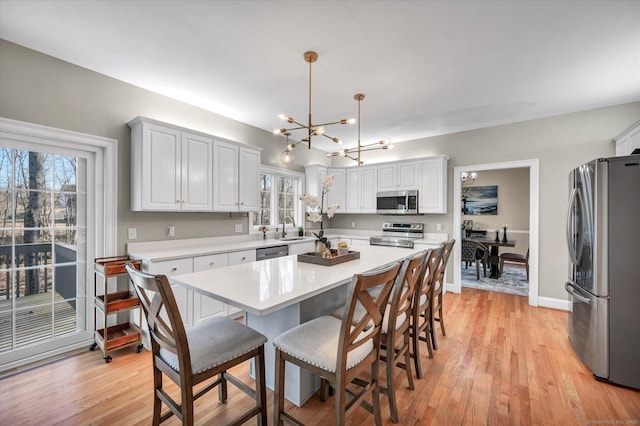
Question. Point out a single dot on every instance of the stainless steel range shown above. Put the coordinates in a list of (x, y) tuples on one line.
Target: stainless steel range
[(398, 234)]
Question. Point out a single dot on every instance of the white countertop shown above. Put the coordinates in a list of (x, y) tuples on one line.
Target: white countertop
[(264, 287), (155, 251)]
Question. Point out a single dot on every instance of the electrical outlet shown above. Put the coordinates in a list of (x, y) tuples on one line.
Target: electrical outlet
[(171, 231), (238, 227), (132, 233), (353, 224), (439, 227)]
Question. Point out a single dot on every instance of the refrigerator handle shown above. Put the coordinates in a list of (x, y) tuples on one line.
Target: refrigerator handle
[(569, 286), (572, 251)]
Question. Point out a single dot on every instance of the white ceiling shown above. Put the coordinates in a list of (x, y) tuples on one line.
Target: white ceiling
[(426, 67)]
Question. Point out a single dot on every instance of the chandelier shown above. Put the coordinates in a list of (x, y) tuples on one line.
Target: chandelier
[(311, 128), (354, 153)]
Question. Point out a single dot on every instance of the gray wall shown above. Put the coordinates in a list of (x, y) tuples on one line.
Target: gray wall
[(40, 89), (560, 143)]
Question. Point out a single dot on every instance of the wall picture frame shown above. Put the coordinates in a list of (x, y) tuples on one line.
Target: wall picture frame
[(480, 200)]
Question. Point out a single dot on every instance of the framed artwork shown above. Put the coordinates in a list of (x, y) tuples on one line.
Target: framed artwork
[(480, 200)]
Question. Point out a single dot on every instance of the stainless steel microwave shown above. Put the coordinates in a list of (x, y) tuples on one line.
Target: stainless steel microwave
[(397, 202)]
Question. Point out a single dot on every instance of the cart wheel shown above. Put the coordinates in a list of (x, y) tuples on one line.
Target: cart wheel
[(107, 359), (92, 346), (139, 348)]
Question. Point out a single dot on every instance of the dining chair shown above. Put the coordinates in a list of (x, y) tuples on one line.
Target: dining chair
[(395, 339), (192, 356), (475, 252), (515, 258), (438, 293), (421, 324), (340, 350)]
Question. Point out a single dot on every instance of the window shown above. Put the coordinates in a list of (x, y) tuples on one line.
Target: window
[(55, 187), (280, 192)]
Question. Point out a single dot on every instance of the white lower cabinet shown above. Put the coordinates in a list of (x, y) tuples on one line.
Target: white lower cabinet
[(235, 258), (305, 247), (181, 294), (206, 307)]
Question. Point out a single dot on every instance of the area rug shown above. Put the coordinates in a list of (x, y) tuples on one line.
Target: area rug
[(512, 281)]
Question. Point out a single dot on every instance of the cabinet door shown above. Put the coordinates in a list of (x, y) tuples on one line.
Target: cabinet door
[(407, 176), (354, 190), (387, 177), (249, 180), (306, 247), (433, 186), (369, 189), (206, 307), (182, 295), (237, 257), (225, 177), (338, 193), (197, 173), (161, 168), (634, 140)]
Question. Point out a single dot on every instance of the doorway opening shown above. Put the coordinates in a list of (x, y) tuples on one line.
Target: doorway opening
[(533, 168)]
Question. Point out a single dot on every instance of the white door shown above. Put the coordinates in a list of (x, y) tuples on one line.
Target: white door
[(225, 177), (249, 180), (197, 173), (161, 147)]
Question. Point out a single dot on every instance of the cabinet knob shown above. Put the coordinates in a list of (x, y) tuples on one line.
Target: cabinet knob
[(241, 204), (174, 269), (244, 258), (212, 263)]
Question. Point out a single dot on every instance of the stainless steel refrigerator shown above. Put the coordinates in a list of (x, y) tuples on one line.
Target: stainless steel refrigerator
[(603, 235)]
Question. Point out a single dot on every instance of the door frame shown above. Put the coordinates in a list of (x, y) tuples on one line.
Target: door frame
[(534, 184), (104, 214)]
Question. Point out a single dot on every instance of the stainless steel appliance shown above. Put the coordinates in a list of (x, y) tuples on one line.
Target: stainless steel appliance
[(398, 234), (603, 235), (271, 252), (397, 202)]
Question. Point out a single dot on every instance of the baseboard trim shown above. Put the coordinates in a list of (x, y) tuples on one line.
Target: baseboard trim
[(549, 302)]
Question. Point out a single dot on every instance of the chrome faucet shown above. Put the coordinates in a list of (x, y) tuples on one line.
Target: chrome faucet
[(284, 222)]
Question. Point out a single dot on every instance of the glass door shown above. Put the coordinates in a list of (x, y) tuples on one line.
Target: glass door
[(43, 250)]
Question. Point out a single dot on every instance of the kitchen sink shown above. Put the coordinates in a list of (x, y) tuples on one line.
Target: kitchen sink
[(293, 238)]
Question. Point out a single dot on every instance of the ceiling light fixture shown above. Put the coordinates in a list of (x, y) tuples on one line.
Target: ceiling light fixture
[(312, 129), (349, 153), (464, 176)]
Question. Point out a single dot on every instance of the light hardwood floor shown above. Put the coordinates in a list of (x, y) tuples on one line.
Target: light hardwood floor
[(502, 362)]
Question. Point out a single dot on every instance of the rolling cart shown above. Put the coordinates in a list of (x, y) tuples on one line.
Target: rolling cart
[(113, 296)]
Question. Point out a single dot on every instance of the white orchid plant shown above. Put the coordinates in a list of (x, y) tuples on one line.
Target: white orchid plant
[(315, 209)]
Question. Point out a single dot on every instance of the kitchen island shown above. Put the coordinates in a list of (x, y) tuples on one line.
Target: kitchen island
[(279, 294)]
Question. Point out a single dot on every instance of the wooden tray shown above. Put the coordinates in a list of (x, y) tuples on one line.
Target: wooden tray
[(115, 265), (117, 301), (117, 336), (328, 261)]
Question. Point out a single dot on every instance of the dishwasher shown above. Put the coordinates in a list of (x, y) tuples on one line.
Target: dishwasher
[(271, 252)]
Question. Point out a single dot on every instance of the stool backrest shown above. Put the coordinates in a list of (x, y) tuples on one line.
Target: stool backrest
[(404, 289)]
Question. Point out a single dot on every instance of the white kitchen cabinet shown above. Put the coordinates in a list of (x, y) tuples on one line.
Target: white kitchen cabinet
[(355, 242), (171, 168), (314, 176), (306, 247), (181, 294), (206, 307), (432, 188), (235, 258), (362, 183), (628, 140), (338, 193), (400, 176), (236, 177)]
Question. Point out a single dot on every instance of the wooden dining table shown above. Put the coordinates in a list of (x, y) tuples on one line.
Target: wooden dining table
[(494, 247)]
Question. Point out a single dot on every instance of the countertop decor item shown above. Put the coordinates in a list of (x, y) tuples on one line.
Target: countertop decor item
[(334, 259), (504, 233), (264, 230), (316, 211)]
